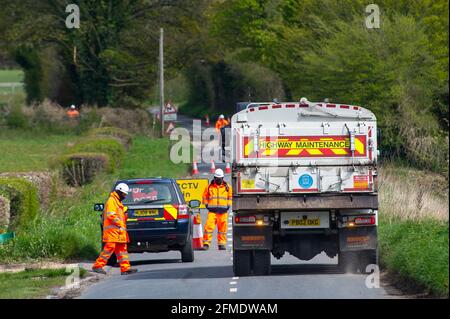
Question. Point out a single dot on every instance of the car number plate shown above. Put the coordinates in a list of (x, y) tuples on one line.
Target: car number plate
[(146, 212)]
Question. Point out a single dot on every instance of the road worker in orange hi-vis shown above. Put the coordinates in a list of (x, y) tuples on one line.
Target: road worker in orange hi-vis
[(220, 128), (115, 235), (221, 123), (72, 112), (217, 199)]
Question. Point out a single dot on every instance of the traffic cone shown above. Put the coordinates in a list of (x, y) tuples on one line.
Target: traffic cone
[(227, 169), (194, 168), (206, 120), (197, 236), (213, 167)]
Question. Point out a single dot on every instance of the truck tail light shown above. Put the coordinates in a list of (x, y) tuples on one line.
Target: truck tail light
[(353, 221), (369, 220), (183, 212), (245, 219), (258, 220)]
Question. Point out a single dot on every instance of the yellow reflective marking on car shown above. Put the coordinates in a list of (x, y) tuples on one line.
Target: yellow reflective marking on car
[(171, 210)]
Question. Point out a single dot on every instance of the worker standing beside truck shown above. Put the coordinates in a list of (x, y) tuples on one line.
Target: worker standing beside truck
[(217, 199), (115, 235), (220, 128)]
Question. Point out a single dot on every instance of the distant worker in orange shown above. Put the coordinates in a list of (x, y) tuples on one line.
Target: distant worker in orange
[(221, 123), (220, 128), (72, 112), (217, 198), (115, 235)]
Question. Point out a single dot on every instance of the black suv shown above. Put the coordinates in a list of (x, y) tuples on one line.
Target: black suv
[(158, 217)]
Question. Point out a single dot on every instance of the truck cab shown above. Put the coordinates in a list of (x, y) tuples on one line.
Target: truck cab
[(304, 179)]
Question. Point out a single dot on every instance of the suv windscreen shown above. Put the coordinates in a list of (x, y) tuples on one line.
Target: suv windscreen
[(152, 193)]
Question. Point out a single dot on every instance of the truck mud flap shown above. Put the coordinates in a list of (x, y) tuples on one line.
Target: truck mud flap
[(246, 237), (358, 238)]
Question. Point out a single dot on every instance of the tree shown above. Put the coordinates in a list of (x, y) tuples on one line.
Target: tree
[(112, 57)]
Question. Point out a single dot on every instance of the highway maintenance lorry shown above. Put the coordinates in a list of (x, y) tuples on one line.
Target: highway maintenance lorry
[(304, 179)]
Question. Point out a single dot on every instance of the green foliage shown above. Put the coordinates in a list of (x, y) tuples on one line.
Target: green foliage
[(116, 47), (29, 150), (16, 119), (32, 283), (24, 201), (216, 87), (110, 146), (417, 251), (28, 58), (109, 131)]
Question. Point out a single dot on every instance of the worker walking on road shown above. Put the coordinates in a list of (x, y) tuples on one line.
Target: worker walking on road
[(220, 128), (217, 199), (115, 235)]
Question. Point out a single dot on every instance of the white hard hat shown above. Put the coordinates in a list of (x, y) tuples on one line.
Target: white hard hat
[(221, 116), (72, 106), (123, 188), (219, 173), (304, 100)]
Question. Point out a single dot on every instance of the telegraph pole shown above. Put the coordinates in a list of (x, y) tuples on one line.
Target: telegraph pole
[(161, 78)]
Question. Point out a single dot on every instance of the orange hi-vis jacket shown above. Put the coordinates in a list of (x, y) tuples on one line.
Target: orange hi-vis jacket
[(115, 221), (72, 113), (217, 198), (221, 123)]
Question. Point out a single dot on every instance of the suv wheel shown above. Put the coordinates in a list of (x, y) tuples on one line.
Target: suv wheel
[(187, 252)]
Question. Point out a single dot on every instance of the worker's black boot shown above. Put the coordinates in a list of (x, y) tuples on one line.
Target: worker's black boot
[(222, 247), (129, 271), (205, 247)]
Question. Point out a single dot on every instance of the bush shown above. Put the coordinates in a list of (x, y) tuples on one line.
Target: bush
[(24, 201), (16, 119), (110, 146), (43, 181), (4, 214), (124, 137), (136, 121), (80, 168)]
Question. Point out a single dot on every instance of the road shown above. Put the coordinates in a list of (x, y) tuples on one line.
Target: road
[(210, 276)]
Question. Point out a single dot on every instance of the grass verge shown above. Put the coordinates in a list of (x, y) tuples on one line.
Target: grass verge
[(32, 283), (418, 252), (29, 151)]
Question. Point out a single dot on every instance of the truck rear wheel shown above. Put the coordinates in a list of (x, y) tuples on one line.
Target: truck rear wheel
[(348, 262), (366, 258), (242, 262), (261, 262)]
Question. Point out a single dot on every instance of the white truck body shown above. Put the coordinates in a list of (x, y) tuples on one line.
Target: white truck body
[(307, 171), (312, 148)]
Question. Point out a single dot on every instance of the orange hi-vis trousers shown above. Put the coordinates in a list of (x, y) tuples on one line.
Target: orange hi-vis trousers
[(212, 220), (120, 249)]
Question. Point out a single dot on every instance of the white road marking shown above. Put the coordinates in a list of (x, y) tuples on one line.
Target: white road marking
[(233, 282), (233, 289), (230, 239), (235, 278)]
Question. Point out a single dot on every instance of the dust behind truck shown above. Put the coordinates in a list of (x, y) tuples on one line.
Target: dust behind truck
[(304, 179)]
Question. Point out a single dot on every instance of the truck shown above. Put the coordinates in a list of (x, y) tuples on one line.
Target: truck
[(304, 180)]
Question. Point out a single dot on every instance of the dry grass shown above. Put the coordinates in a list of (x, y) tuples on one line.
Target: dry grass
[(409, 194)]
